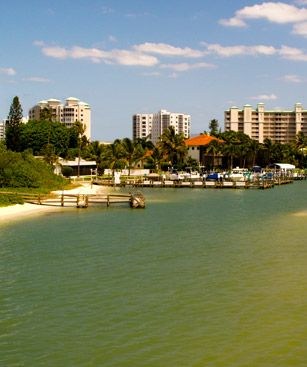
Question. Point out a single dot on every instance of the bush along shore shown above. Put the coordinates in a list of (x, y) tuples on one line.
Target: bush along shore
[(22, 173)]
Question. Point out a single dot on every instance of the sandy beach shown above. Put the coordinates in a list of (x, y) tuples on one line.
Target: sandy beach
[(18, 211)]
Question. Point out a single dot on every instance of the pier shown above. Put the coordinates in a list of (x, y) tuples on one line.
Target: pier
[(134, 200), (224, 184)]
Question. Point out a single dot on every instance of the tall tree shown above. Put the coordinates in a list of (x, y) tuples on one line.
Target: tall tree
[(14, 126), (214, 127), (46, 114), (80, 128), (173, 145), (301, 144), (253, 148), (213, 149)]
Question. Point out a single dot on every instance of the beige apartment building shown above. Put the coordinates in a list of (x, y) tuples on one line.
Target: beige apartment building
[(73, 110), (281, 126), (155, 124)]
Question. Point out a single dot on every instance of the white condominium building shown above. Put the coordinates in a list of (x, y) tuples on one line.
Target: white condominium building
[(73, 110), (141, 125), (281, 126), (155, 124), (2, 129)]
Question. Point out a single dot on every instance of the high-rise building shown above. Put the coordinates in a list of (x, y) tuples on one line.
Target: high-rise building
[(73, 110), (2, 129), (154, 124), (281, 126)]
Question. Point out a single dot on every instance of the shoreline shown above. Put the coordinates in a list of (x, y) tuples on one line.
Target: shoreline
[(27, 210)]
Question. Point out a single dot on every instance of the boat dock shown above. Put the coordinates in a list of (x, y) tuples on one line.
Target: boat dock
[(135, 200), (140, 183)]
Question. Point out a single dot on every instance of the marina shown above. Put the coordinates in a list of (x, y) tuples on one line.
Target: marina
[(216, 184), (199, 278)]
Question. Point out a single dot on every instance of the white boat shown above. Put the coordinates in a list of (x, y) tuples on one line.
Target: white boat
[(239, 174)]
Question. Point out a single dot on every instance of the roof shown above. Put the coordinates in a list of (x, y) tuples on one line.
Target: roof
[(72, 99), (199, 140), (284, 165)]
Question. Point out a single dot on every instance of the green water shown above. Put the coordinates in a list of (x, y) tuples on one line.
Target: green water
[(198, 278)]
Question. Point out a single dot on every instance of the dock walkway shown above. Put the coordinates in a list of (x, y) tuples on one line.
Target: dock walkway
[(140, 183)]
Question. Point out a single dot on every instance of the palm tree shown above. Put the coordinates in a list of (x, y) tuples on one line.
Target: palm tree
[(80, 128), (132, 152), (144, 146), (156, 157), (113, 155), (301, 144), (268, 146), (213, 149), (253, 148), (173, 146)]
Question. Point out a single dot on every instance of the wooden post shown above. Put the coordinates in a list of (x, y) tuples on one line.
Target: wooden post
[(62, 200), (108, 201), (86, 200)]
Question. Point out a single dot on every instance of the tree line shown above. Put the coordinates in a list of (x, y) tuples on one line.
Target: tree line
[(53, 139)]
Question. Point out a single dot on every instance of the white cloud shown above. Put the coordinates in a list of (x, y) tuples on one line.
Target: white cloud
[(229, 51), (291, 53), (274, 12), (37, 79), (265, 97), (8, 71), (130, 58), (285, 52), (167, 50), (233, 22), (122, 57), (300, 29), (185, 66), (292, 78)]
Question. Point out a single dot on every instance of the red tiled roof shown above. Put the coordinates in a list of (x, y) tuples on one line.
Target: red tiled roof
[(201, 140)]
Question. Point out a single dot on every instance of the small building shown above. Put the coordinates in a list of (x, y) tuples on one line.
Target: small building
[(86, 167), (197, 150)]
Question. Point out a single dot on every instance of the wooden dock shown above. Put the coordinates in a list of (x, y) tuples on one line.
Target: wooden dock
[(257, 184), (134, 200)]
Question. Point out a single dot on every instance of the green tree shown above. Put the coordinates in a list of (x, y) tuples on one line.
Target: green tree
[(214, 127), (253, 148), (14, 126), (268, 148), (213, 149), (131, 152), (80, 128), (173, 146), (113, 156), (301, 144), (46, 114), (36, 135), (156, 158)]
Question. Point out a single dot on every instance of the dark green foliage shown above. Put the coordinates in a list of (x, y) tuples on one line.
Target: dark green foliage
[(67, 171), (214, 127), (6, 200), (46, 137), (23, 170), (14, 126)]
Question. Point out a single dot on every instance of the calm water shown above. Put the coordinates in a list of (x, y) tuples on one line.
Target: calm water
[(198, 278)]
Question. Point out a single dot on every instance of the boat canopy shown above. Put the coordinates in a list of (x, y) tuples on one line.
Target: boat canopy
[(283, 166)]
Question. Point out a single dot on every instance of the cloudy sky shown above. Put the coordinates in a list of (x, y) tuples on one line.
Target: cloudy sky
[(198, 57)]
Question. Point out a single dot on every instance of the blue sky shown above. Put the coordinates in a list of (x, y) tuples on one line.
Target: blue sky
[(139, 56)]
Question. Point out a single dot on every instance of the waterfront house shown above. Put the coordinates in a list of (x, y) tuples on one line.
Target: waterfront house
[(197, 149)]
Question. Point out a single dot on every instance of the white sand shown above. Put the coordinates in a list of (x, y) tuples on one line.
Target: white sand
[(18, 211)]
